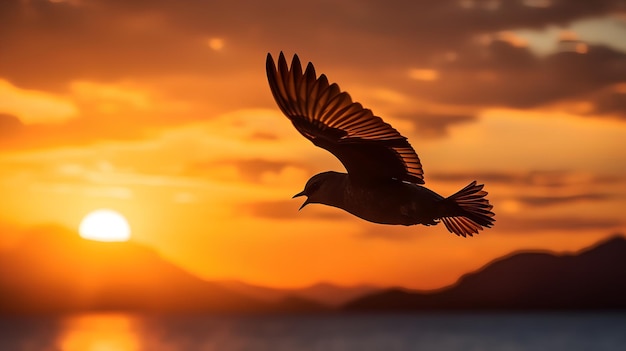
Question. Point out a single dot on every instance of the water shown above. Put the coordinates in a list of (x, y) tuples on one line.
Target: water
[(449, 332)]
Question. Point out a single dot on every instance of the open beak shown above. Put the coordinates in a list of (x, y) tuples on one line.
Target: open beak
[(306, 202)]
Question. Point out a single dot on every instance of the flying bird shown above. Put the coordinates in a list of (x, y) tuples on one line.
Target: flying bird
[(384, 183)]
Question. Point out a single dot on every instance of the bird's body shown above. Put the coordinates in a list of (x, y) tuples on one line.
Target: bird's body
[(388, 202), (383, 183)]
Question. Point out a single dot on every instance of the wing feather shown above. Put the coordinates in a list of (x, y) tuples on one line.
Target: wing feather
[(369, 148)]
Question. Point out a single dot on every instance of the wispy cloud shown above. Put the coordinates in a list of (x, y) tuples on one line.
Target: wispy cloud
[(9, 125), (530, 225), (35, 106), (255, 170), (288, 209), (561, 200), (536, 178)]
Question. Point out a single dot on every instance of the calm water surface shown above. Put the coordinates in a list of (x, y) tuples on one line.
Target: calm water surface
[(480, 332)]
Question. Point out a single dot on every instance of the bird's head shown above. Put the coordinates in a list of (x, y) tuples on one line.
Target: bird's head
[(321, 188)]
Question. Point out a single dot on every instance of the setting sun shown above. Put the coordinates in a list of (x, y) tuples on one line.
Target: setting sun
[(104, 225)]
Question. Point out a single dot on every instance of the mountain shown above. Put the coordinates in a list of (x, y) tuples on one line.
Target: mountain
[(54, 270), (327, 294), (594, 278)]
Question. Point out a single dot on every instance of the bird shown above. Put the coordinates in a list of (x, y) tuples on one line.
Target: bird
[(384, 182)]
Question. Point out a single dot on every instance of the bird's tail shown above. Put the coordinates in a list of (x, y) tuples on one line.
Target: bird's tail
[(467, 211)]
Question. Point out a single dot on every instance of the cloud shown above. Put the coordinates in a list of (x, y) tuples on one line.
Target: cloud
[(569, 223), (256, 136), (78, 131), (110, 98), (608, 102), (535, 178), (89, 112), (437, 124), (109, 192), (208, 58), (501, 74), (33, 106), (251, 169), (288, 209), (9, 126), (505, 224), (135, 38), (390, 233), (560, 200)]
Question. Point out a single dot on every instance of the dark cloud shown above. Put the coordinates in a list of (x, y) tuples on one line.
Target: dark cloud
[(108, 40), (288, 209), (389, 233), (560, 200), (505, 224), (263, 136), (436, 125), (491, 177), (255, 167), (536, 178), (609, 102), (502, 74), (46, 45), (10, 126), (573, 223), (250, 170), (52, 43)]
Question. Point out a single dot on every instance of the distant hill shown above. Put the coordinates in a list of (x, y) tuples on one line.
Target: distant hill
[(323, 293), (594, 278), (54, 270)]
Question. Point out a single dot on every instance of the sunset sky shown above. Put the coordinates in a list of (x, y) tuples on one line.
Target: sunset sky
[(161, 110)]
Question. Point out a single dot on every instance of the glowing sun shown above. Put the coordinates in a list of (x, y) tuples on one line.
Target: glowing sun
[(104, 225)]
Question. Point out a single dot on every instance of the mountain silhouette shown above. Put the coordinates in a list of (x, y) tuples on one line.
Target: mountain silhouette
[(594, 278), (54, 270), (327, 294)]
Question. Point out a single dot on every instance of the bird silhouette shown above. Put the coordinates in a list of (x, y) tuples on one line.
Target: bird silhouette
[(384, 180)]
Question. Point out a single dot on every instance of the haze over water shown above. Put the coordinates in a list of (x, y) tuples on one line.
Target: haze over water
[(433, 332)]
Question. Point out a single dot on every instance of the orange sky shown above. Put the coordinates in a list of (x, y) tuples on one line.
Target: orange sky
[(161, 110)]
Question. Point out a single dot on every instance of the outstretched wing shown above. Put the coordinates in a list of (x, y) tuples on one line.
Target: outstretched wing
[(369, 148)]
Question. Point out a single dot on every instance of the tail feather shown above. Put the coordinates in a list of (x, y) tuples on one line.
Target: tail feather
[(468, 211)]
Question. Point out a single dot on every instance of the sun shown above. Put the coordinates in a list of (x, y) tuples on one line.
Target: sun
[(104, 225)]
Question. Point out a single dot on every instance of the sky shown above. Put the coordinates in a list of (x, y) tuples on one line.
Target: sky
[(161, 110)]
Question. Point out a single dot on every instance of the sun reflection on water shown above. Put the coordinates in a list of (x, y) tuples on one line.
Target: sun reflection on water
[(99, 332)]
